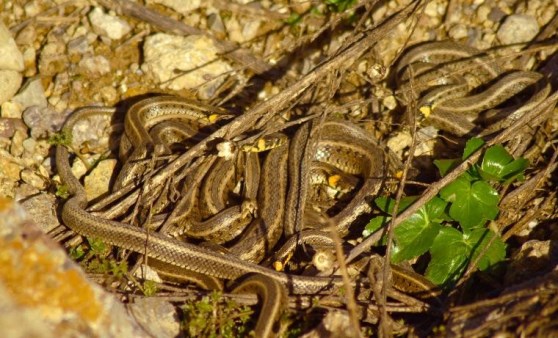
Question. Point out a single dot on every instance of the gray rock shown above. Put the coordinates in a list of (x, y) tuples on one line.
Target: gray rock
[(518, 28), (32, 94), (42, 121), (157, 316), (41, 209)]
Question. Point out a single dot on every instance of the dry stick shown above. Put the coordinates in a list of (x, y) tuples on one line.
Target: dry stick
[(391, 227), (435, 188), (267, 109), (170, 25), (349, 291)]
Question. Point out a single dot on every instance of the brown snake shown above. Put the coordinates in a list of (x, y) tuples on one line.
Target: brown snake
[(338, 143)]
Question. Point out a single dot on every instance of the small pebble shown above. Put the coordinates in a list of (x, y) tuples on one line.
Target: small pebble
[(108, 25)]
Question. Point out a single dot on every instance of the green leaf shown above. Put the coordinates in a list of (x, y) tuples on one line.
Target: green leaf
[(478, 239), (449, 254), (386, 204), (515, 170), (293, 19), (414, 236), (499, 165), (472, 145), (444, 166), (472, 204), (375, 224), (494, 161), (339, 5)]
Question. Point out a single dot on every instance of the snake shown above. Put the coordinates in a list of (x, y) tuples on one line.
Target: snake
[(337, 141), (439, 74)]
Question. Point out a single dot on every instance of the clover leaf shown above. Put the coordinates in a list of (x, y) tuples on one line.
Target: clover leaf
[(414, 236), (471, 203)]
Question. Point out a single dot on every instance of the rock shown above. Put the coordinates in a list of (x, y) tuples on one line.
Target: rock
[(9, 169), (334, 324), (10, 80), (180, 6), (179, 63), (108, 25), (11, 110), (518, 28), (30, 61), (41, 209), (11, 56), (94, 66), (79, 45), (97, 182), (30, 177), (157, 316), (8, 127), (32, 94), (42, 121), (53, 59), (7, 189), (44, 294), (16, 147)]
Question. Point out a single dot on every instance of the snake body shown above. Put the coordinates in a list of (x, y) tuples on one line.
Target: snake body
[(263, 232), (439, 73)]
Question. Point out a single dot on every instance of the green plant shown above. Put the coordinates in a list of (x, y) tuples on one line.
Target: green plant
[(61, 138), (213, 316), (452, 227), (339, 6), (93, 257)]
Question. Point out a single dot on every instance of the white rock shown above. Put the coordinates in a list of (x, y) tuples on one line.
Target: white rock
[(11, 56), (180, 6), (108, 25), (32, 94), (184, 63), (10, 80), (94, 65), (518, 28)]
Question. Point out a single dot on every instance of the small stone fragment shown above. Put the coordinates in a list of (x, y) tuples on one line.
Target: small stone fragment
[(108, 25), (94, 66)]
